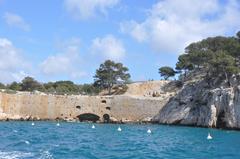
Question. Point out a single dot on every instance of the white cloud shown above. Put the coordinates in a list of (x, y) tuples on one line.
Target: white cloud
[(12, 63), (17, 21), (85, 9), (173, 24), (65, 63), (109, 47)]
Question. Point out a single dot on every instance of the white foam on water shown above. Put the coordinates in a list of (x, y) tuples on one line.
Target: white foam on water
[(27, 142), (46, 155), (14, 155)]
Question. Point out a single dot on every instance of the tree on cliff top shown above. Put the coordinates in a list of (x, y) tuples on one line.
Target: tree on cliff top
[(30, 84), (110, 73), (215, 57), (166, 72)]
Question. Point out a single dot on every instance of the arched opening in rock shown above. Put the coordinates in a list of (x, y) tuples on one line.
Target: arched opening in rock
[(88, 117), (106, 118), (221, 123), (104, 101), (78, 107), (108, 108)]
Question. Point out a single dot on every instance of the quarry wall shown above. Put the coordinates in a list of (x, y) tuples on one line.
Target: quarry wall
[(137, 104), (118, 108)]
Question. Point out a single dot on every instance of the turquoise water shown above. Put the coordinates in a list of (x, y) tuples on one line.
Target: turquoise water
[(78, 140)]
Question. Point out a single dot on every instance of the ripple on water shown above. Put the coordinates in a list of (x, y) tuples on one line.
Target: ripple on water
[(79, 140), (14, 155)]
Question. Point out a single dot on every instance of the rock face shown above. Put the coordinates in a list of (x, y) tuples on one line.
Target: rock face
[(130, 107), (198, 105)]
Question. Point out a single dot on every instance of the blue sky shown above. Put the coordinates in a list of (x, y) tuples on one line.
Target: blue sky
[(68, 39)]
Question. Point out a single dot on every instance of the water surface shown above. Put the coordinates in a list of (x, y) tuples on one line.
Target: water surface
[(21, 140)]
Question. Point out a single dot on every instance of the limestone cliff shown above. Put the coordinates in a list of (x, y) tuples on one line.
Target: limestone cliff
[(198, 105)]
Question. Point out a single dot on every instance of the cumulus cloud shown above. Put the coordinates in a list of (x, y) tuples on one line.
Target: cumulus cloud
[(64, 63), (172, 24), (12, 64), (86, 9), (108, 47), (14, 20)]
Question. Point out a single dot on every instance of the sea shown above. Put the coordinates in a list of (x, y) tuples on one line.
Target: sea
[(47, 140)]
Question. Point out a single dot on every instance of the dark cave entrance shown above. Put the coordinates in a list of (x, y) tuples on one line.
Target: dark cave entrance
[(104, 101), (106, 118), (221, 123), (88, 117)]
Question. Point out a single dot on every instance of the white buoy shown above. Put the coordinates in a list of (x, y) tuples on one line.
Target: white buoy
[(33, 124), (149, 131), (209, 137), (93, 127), (58, 124), (119, 129)]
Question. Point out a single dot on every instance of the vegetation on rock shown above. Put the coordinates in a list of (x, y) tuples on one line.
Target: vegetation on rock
[(167, 72), (215, 57)]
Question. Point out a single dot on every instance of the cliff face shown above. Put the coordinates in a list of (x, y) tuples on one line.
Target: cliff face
[(132, 106), (198, 105)]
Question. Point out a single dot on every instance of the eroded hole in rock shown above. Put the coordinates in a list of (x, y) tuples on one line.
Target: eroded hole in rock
[(88, 117), (221, 123), (106, 118), (78, 107), (108, 108), (104, 101)]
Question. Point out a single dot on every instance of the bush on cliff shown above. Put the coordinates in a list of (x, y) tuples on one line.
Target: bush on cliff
[(15, 86), (2, 86), (58, 87)]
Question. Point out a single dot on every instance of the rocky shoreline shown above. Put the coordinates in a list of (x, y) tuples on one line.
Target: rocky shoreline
[(198, 105)]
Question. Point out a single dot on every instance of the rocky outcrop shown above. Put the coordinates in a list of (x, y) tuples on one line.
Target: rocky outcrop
[(198, 105)]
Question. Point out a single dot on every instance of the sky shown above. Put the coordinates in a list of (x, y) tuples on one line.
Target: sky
[(68, 39)]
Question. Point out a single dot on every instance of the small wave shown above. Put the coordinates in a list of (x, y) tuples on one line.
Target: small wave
[(14, 155), (15, 131)]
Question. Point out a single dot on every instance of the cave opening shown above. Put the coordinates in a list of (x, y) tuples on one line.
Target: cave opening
[(221, 123), (104, 101), (78, 107), (106, 118), (88, 117)]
